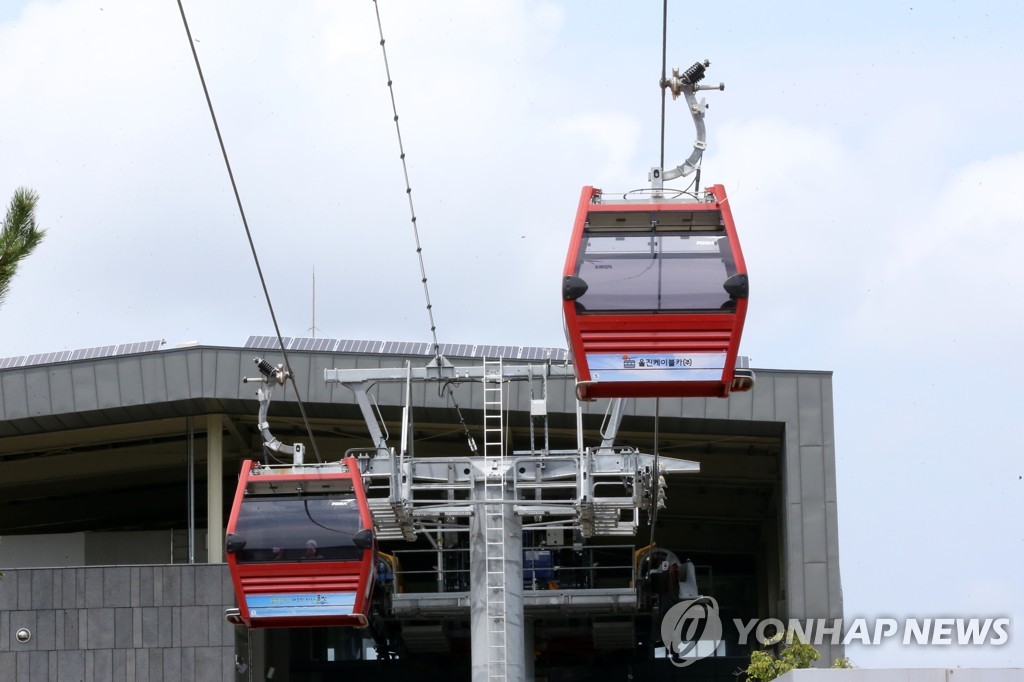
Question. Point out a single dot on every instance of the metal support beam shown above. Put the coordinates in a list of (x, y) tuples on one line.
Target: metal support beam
[(510, 372), (191, 486), (612, 421), (214, 489), (475, 373), (363, 400)]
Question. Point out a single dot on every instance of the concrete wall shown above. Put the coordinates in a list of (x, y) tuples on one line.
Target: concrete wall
[(154, 623), (58, 550), (811, 529), (32, 551)]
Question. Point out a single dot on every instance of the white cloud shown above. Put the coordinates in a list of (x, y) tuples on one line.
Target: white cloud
[(948, 275), (613, 138)]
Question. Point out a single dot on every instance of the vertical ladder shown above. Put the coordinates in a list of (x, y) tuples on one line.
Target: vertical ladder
[(494, 519)]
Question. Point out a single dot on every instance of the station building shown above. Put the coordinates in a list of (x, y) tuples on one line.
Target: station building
[(118, 466)]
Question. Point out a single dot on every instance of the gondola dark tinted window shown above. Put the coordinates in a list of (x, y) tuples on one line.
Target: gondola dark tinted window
[(297, 529), (655, 271)]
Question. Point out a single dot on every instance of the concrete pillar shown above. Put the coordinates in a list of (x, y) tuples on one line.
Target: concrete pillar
[(530, 645), (478, 589), (214, 489)]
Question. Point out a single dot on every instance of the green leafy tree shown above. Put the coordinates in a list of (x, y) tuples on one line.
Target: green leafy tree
[(766, 665), (19, 235)]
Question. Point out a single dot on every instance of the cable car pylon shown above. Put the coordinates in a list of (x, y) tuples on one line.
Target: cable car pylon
[(497, 589)]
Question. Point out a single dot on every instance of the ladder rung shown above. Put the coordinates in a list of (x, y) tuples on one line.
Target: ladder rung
[(494, 524)]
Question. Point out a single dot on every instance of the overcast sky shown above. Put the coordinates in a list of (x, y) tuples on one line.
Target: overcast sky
[(873, 153)]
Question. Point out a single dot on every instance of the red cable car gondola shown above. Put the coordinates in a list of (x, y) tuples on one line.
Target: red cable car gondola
[(300, 545), (654, 297)]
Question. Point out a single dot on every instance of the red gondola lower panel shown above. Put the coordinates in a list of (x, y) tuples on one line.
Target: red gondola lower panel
[(654, 297), (300, 546)]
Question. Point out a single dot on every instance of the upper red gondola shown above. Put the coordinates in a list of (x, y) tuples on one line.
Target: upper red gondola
[(654, 297), (300, 546)]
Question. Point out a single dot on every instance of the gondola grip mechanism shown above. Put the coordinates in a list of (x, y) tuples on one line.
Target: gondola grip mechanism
[(686, 84), (269, 372)]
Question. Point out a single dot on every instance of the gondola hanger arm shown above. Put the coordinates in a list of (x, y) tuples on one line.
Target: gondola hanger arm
[(271, 375), (687, 84)]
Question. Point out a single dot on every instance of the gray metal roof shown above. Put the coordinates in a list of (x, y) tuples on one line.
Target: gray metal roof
[(156, 384)]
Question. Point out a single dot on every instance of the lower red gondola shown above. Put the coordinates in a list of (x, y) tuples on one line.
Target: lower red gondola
[(654, 297), (300, 546)]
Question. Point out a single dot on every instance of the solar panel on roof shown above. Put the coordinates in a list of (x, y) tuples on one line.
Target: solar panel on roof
[(138, 347), (347, 346), (80, 354), (312, 344), (534, 353), (492, 351), (457, 350), (453, 350), (405, 348), (266, 342)]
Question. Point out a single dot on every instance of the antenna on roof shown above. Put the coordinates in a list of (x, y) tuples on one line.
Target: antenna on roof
[(312, 330)]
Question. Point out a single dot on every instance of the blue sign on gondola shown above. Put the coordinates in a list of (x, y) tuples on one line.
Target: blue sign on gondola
[(301, 604), (656, 366)]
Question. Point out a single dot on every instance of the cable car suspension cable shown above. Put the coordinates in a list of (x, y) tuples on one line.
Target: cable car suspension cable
[(664, 80), (687, 84), (248, 232), (665, 85), (408, 188), (438, 359), (656, 477)]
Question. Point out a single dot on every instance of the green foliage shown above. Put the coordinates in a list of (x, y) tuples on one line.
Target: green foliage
[(765, 665), (842, 662), (19, 235)]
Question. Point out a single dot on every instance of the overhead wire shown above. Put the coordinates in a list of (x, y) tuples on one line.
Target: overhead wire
[(657, 401), (664, 77), (438, 359), (656, 477), (408, 188), (248, 233), (664, 86)]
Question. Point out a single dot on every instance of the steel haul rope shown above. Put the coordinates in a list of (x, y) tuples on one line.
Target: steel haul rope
[(438, 359), (248, 233)]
